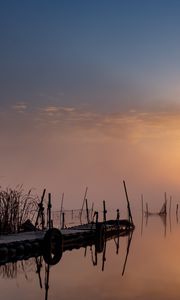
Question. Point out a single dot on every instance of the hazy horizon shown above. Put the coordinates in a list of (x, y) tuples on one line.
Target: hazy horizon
[(89, 96)]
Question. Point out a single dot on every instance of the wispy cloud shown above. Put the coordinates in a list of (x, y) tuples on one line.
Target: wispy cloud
[(133, 125), (19, 107)]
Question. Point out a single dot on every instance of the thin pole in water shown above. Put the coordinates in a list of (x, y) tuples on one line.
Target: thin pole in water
[(85, 196), (87, 210), (104, 211), (128, 204), (61, 209), (41, 211), (49, 210)]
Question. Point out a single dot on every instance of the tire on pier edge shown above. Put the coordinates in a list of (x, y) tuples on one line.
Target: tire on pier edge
[(52, 246)]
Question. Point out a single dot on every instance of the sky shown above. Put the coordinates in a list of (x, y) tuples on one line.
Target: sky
[(89, 96)]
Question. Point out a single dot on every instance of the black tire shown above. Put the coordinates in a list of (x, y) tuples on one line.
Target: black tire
[(52, 246)]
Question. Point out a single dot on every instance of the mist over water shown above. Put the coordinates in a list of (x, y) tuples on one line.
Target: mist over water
[(95, 151)]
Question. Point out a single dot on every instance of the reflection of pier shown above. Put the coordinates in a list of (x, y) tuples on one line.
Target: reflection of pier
[(97, 245), (162, 213)]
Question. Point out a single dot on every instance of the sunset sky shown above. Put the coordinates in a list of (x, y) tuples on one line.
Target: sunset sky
[(89, 96)]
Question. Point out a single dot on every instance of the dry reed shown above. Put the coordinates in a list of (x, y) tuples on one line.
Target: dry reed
[(16, 207)]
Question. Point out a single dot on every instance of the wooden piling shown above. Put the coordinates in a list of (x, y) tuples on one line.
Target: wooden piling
[(87, 210), (41, 211), (92, 208), (97, 216), (85, 196), (118, 215), (61, 208), (63, 220), (128, 204), (49, 211), (104, 211)]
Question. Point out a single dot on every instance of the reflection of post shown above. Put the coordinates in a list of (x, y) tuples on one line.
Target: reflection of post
[(94, 260), (165, 225), (127, 251), (104, 256), (147, 211), (170, 213), (170, 205), (117, 243), (142, 220), (177, 206), (38, 270), (164, 220), (165, 201), (47, 270), (147, 214)]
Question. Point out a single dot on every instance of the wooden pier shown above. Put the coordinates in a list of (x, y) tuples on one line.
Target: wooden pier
[(52, 242)]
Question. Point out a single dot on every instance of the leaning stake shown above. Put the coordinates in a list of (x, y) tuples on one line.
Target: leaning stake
[(128, 204)]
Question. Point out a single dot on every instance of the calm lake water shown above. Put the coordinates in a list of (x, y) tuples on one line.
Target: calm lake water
[(152, 269)]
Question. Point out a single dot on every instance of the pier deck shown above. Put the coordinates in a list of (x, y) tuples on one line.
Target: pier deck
[(23, 245)]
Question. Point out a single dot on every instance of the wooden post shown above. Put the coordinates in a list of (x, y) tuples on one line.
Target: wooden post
[(61, 209), (85, 196), (63, 220), (128, 204), (104, 211), (97, 215), (41, 211), (92, 211), (87, 210), (118, 215), (49, 210)]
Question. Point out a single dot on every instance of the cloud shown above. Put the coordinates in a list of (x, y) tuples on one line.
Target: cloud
[(133, 125), (19, 107)]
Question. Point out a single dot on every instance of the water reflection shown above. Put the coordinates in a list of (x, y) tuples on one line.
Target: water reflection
[(43, 265), (162, 218), (149, 265)]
